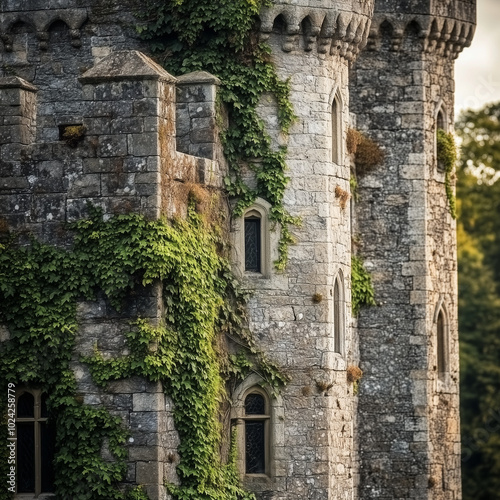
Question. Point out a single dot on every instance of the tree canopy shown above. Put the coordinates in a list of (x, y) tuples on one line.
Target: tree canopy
[(478, 194)]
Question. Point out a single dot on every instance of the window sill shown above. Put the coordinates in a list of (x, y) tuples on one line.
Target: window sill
[(257, 480)]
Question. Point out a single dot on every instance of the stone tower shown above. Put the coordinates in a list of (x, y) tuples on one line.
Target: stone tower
[(302, 316), (147, 135), (402, 92)]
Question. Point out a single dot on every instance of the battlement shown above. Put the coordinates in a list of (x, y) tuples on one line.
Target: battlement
[(441, 27), (40, 21), (332, 28)]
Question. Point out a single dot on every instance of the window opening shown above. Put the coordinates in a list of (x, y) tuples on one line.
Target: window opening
[(337, 317), (35, 444), (253, 252), (442, 358), (440, 125), (256, 434), (336, 131)]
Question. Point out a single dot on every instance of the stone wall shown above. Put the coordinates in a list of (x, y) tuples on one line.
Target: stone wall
[(87, 119), (291, 312), (408, 434)]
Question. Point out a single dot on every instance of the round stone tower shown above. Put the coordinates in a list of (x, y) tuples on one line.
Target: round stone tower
[(301, 316), (402, 92)]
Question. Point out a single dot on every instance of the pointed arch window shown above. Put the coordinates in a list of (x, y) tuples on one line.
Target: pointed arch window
[(442, 349), (256, 418), (35, 444), (338, 315), (253, 242), (441, 124), (336, 113)]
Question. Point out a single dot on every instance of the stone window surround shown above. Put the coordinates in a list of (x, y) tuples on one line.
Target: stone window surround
[(339, 348), (37, 396), (260, 208), (274, 435), (443, 379), (336, 107)]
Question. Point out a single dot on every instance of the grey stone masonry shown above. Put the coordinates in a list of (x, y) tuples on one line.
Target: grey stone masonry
[(291, 312), (87, 117), (408, 432)]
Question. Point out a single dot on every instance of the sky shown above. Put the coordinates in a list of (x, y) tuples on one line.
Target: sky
[(477, 70)]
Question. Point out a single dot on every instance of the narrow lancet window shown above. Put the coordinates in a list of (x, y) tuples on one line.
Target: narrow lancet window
[(440, 128), (442, 345), (253, 254), (336, 131), (256, 433), (35, 444), (338, 315)]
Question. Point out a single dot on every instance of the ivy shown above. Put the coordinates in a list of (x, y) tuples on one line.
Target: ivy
[(219, 37), (361, 286), (39, 288), (447, 159)]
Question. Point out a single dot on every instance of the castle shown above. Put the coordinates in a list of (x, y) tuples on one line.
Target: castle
[(382, 67)]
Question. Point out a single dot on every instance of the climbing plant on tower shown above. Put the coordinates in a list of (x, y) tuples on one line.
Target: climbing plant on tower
[(220, 37)]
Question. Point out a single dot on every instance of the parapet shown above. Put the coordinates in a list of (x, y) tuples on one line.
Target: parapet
[(443, 27), (331, 27), (39, 18)]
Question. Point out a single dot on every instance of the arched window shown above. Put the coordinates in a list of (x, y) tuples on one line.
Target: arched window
[(336, 130), (256, 418), (338, 315), (251, 235), (35, 444), (442, 345), (440, 120), (440, 126), (253, 242)]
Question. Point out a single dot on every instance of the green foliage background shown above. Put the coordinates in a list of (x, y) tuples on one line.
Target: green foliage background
[(478, 204)]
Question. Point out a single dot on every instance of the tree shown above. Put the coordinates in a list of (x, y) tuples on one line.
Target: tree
[(478, 193)]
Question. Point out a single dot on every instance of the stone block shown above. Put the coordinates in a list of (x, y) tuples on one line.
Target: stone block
[(143, 453), (84, 186), (112, 145), (148, 473), (148, 402), (145, 144)]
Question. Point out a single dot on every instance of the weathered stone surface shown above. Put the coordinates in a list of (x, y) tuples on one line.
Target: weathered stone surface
[(149, 137)]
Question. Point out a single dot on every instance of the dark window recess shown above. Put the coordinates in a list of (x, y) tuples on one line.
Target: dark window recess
[(441, 344), (26, 457), (35, 444), (440, 125), (255, 447), (255, 405), (47, 441), (336, 317), (335, 132), (26, 406), (252, 244)]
